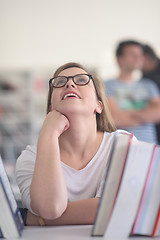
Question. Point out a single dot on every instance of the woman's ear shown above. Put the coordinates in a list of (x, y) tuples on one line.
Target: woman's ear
[(99, 107)]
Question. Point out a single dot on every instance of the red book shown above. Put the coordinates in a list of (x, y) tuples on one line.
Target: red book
[(156, 230)]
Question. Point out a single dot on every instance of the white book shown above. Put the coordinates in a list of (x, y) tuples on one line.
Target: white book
[(11, 223), (146, 218), (114, 174)]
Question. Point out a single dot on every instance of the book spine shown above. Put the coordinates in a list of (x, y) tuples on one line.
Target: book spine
[(98, 229), (122, 173), (156, 229), (146, 195)]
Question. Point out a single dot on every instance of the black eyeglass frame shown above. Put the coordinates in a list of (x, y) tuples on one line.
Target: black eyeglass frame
[(90, 78)]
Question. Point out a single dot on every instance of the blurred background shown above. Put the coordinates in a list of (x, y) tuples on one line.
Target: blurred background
[(39, 35)]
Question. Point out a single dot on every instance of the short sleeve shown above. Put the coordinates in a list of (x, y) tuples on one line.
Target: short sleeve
[(24, 172)]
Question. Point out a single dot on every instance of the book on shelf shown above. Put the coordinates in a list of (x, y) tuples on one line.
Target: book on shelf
[(130, 202), (11, 223)]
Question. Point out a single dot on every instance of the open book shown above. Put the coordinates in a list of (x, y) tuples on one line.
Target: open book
[(130, 199), (11, 223)]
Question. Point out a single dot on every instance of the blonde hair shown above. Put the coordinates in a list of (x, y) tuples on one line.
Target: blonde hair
[(104, 120)]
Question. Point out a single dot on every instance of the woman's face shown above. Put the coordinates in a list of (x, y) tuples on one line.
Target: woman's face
[(72, 98)]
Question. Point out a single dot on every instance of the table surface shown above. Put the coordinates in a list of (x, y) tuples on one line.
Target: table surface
[(79, 232)]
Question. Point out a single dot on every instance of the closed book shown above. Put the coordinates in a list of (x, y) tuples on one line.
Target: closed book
[(11, 223), (156, 230), (146, 217), (134, 176), (112, 183)]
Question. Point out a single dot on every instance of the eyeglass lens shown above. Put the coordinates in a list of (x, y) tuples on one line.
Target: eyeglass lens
[(80, 79)]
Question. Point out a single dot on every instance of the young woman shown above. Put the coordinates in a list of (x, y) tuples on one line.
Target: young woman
[(61, 178)]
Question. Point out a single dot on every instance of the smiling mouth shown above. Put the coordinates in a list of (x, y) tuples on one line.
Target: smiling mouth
[(70, 95)]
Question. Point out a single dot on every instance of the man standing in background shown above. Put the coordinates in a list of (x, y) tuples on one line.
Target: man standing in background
[(151, 70), (135, 104)]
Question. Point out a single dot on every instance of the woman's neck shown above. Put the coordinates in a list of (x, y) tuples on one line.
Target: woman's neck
[(80, 142)]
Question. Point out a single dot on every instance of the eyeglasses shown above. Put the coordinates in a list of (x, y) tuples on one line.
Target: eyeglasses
[(79, 79)]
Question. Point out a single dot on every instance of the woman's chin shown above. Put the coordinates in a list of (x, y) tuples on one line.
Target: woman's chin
[(71, 111)]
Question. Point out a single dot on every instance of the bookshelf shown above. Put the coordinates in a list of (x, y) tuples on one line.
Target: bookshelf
[(23, 96)]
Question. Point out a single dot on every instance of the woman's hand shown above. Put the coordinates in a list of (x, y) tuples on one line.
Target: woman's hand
[(55, 122)]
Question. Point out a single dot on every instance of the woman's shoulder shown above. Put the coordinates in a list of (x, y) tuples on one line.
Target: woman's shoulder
[(30, 149), (111, 135), (116, 132), (28, 154)]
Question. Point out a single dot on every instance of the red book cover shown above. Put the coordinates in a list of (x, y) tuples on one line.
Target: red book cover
[(156, 230)]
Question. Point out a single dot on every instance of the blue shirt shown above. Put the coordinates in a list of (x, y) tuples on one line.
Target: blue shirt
[(132, 96)]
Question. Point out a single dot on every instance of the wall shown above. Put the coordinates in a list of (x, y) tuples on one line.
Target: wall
[(38, 34)]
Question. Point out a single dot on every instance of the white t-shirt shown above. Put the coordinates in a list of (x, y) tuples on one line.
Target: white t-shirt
[(81, 184)]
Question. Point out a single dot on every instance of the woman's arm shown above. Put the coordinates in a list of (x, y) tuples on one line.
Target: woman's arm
[(79, 212), (48, 189)]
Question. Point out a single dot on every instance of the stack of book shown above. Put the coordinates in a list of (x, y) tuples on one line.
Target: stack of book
[(130, 202)]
